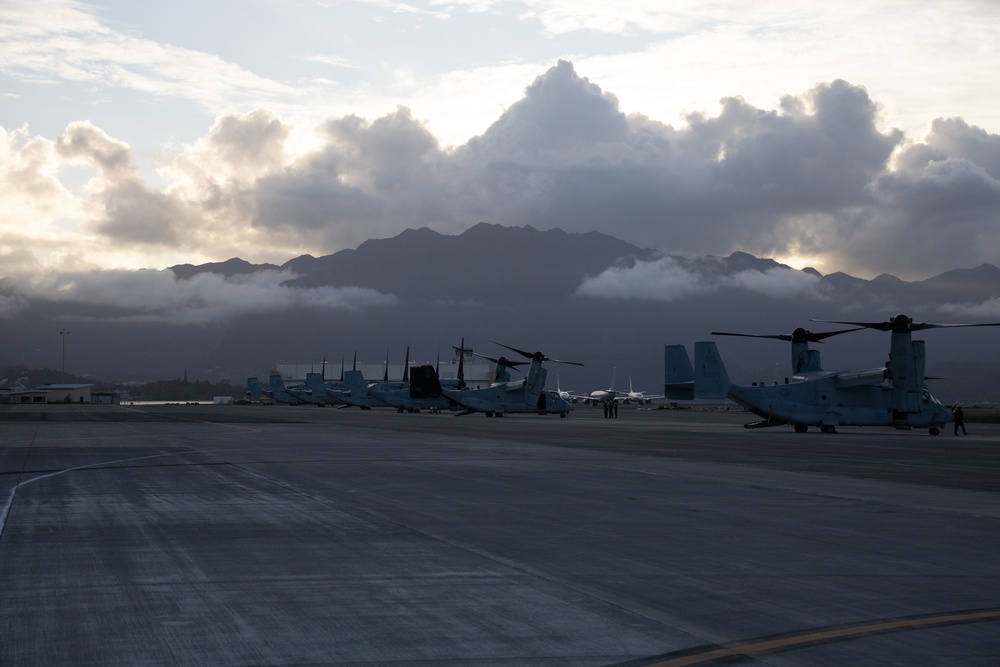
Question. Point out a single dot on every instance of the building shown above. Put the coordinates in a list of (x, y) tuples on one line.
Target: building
[(475, 369), (53, 393), (105, 398)]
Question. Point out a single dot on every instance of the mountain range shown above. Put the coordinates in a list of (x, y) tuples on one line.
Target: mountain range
[(586, 297)]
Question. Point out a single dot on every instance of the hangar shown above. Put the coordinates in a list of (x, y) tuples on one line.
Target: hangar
[(53, 393)]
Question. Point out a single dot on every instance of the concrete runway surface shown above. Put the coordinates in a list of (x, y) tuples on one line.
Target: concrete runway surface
[(252, 535)]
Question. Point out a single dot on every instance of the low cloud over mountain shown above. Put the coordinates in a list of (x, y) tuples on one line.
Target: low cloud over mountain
[(589, 297)]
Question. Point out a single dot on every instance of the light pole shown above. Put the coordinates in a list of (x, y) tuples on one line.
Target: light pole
[(63, 333)]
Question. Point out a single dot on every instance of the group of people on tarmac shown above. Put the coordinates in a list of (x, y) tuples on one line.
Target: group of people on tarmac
[(611, 409)]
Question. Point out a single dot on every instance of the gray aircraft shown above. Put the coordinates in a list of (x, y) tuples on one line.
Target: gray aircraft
[(892, 395), (805, 360), (527, 395), (423, 390), (352, 389), (276, 389)]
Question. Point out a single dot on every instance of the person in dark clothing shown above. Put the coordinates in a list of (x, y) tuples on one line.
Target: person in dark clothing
[(959, 416), (614, 409), (605, 404)]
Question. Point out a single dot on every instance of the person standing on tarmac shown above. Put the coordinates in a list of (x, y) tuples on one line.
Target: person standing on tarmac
[(958, 415)]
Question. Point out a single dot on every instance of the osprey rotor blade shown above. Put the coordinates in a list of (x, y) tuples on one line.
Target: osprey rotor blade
[(800, 335), (905, 324), (746, 335), (536, 356), (504, 361)]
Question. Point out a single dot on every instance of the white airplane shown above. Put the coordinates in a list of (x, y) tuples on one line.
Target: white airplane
[(564, 395), (634, 396), (602, 395)]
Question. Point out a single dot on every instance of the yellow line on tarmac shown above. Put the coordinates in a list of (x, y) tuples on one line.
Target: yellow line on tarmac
[(751, 648)]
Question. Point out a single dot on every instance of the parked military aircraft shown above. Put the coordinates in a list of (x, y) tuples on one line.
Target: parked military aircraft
[(276, 389), (527, 395), (678, 374), (423, 391), (891, 395)]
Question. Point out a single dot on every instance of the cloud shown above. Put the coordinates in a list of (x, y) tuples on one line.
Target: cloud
[(62, 40), (986, 310), (814, 179), (160, 297), (12, 306), (674, 279)]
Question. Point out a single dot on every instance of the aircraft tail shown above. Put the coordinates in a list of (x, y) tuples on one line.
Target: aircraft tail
[(424, 382), (710, 377), (275, 383), (316, 386), (355, 380), (253, 389), (678, 374)]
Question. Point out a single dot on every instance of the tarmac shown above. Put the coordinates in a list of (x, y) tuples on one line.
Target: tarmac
[(277, 535)]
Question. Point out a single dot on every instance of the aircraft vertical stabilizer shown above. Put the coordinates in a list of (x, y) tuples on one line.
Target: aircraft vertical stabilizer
[(253, 389), (710, 377), (316, 386), (678, 374), (424, 382), (355, 381)]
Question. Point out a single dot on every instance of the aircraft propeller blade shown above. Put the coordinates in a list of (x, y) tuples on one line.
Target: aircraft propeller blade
[(536, 356), (504, 361), (800, 335), (905, 324)]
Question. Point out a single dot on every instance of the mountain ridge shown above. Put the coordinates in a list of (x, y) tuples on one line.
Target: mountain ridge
[(588, 296), (530, 259)]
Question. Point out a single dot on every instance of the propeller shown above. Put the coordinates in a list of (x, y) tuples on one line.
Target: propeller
[(904, 324), (503, 361), (536, 356), (799, 335)]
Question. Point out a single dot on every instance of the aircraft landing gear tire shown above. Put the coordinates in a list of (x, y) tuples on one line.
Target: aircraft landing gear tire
[(934, 430), (828, 429), (562, 415), (489, 414), (801, 428)]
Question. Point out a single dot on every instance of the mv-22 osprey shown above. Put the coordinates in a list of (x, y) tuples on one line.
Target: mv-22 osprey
[(527, 395), (892, 395)]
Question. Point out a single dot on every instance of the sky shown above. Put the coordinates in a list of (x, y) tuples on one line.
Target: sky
[(854, 137)]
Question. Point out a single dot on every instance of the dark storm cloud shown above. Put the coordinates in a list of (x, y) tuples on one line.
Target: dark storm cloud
[(734, 181), (369, 180)]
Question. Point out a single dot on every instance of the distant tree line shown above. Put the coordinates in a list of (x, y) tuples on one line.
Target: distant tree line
[(161, 390)]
